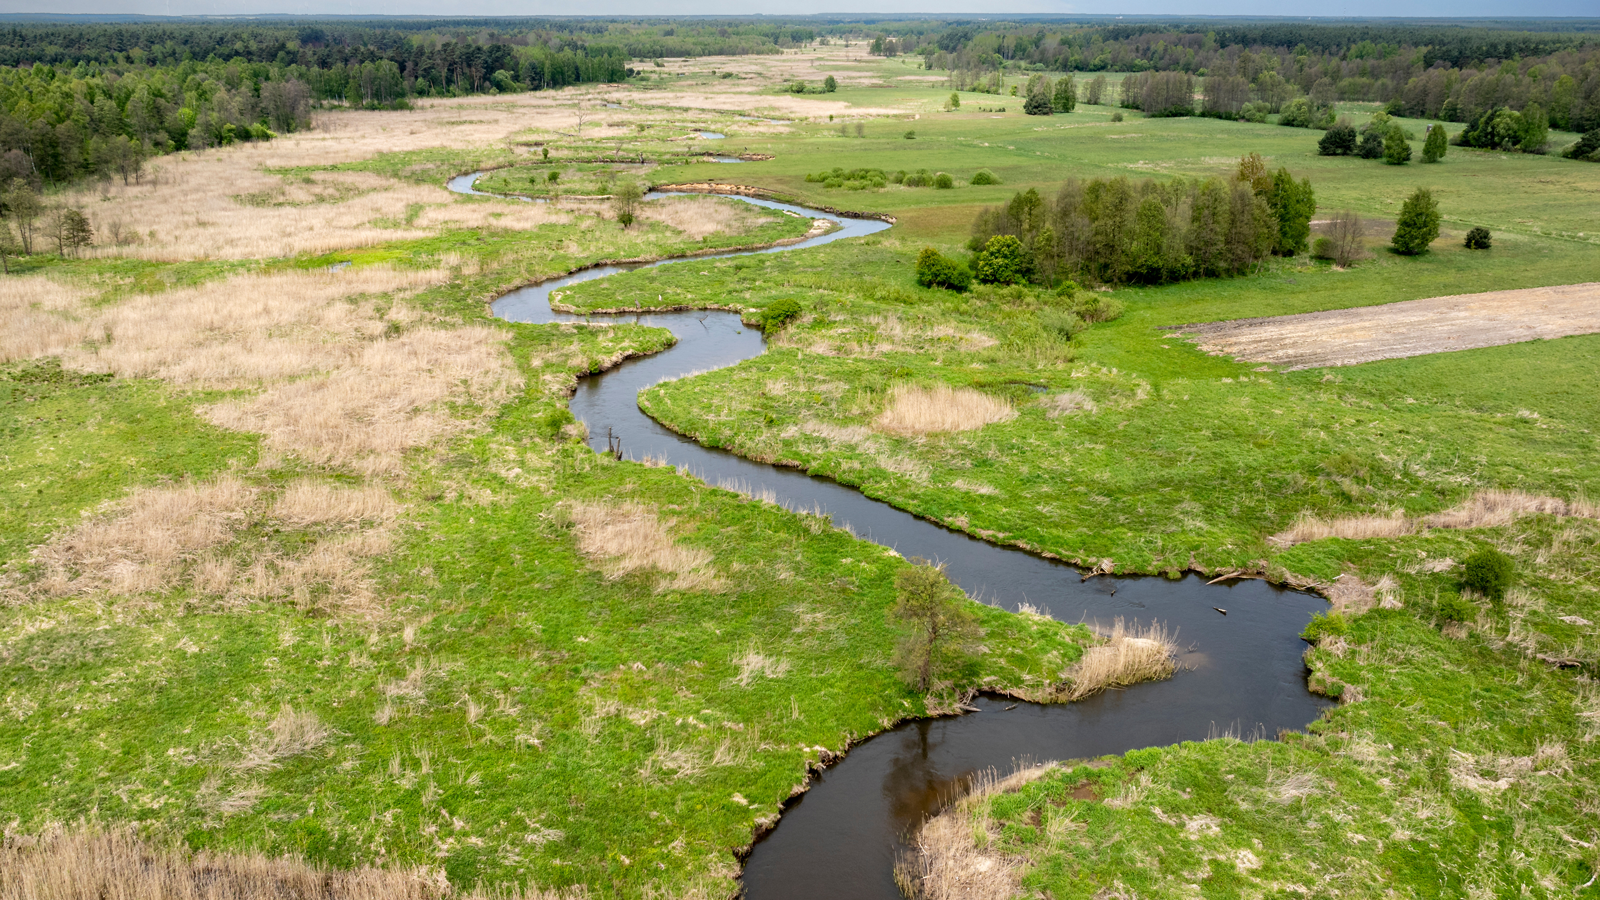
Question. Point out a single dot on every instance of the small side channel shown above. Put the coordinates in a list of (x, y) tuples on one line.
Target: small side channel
[(1241, 673)]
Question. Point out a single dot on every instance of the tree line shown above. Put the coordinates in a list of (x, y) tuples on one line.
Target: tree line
[(1453, 74)]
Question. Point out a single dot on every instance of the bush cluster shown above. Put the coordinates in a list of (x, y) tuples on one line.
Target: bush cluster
[(934, 269), (1587, 147), (1478, 239), (1503, 129), (877, 179)]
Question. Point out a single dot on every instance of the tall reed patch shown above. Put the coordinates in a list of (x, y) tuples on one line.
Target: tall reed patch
[(919, 410), (1130, 654), (953, 856)]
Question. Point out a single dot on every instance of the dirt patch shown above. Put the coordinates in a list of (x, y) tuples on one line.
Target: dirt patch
[(1346, 337)]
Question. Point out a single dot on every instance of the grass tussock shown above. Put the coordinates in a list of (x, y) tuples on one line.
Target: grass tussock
[(628, 537), (953, 856), (1066, 403), (1130, 654), (139, 545), (292, 733), (158, 539), (39, 316), (90, 862), (918, 410)]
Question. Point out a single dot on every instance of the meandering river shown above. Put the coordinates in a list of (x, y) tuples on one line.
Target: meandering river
[(1242, 671)]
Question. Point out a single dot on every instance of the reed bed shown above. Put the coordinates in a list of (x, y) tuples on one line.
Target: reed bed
[(309, 502), (698, 217), (916, 410), (390, 398)]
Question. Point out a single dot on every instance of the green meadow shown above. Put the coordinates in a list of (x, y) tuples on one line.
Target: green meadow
[(523, 710)]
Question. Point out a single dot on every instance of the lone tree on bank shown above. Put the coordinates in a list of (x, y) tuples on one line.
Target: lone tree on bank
[(943, 630), (1065, 98), (626, 200), (1418, 224)]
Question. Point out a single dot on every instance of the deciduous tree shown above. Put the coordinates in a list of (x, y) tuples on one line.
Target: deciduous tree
[(943, 632)]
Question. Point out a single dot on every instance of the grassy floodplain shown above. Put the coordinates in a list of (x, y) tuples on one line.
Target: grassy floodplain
[(469, 690)]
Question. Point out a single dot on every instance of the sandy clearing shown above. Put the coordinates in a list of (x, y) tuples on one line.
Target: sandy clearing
[(1347, 337)]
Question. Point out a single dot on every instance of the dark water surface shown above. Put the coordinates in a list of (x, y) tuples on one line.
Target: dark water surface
[(1242, 671)]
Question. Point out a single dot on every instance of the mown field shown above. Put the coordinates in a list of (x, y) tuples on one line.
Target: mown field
[(324, 568)]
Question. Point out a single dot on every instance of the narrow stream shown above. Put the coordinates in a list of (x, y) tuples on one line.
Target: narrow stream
[(1242, 672)]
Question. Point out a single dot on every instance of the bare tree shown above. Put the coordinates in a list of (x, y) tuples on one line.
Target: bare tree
[(1345, 232), (22, 207)]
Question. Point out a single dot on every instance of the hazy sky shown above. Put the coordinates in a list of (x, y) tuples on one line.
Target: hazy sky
[(1407, 8)]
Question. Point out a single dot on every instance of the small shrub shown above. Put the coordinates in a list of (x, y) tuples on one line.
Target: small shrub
[(778, 314), (1455, 608), (1096, 308), (1116, 116), (984, 176), (911, 135), (943, 181), (1324, 625), (934, 269), (1489, 572), (553, 177), (1322, 248), (1478, 238)]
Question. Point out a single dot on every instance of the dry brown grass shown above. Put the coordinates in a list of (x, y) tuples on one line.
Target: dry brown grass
[(140, 543), (247, 329), (389, 398), (1356, 528), (698, 217), (1486, 509), (947, 860), (308, 502), (1066, 403), (356, 399), (39, 316), (628, 537), (118, 865), (223, 204), (1493, 508), (158, 539), (919, 410), (1129, 655)]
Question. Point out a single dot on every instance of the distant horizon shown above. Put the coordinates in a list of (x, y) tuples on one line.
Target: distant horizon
[(1480, 12)]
